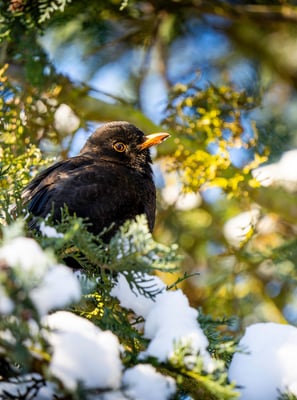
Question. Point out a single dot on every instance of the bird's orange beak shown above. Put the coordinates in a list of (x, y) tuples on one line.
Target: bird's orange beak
[(153, 139)]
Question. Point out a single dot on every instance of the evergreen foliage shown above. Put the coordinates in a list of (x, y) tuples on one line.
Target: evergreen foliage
[(232, 283), (24, 348), (213, 119)]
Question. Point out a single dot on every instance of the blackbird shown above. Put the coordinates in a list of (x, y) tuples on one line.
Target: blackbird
[(109, 182)]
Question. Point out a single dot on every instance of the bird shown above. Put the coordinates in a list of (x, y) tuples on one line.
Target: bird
[(108, 182)]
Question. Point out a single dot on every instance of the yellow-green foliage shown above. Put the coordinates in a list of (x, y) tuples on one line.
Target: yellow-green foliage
[(209, 123), (19, 157)]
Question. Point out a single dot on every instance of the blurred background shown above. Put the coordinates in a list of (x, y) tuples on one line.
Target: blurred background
[(221, 77)]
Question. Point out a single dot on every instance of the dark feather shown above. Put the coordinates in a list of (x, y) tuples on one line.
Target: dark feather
[(100, 184)]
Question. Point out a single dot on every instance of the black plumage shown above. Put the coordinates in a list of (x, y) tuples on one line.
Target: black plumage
[(109, 182)]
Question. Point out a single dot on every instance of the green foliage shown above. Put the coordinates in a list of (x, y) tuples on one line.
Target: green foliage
[(32, 14), (287, 397), (135, 240), (131, 249), (209, 123), (19, 157), (24, 343), (218, 332), (254, 280), (191, 375)]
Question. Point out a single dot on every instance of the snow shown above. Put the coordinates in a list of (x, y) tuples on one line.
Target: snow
[(58, 288), (6, 304), (49, 231), (135, 236), (87, 284), (188, 201), (27, 258), (171, 194), (181, 201), (283, 172), (82, 352), (65, 120), (7, 336), (169, 320), (236, 229), (143, 382), (129, 299), (268, 363), (24, 386), (50, 286)]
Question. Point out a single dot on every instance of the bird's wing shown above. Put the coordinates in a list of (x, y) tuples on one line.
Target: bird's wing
[(43, 190), (105, 194), (98, 191)]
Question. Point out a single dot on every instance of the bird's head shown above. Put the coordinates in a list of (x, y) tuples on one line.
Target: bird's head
[(121, 142)]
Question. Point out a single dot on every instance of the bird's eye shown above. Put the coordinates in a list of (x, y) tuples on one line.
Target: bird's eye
[(120, 147)]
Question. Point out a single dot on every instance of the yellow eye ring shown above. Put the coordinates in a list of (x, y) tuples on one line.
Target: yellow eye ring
[(119, 147)]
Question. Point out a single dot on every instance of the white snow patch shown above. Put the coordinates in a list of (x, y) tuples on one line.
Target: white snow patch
[(27, 257), (7, 336), (283, 172), (172, 194), (82, 352), (129, 299), (6, 304), (20, 386), (58, 288), (143, 382), (87, 284), (169, 321), (172, 322), (268, 363), (237, 228), (65, 120), (49, 231)]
